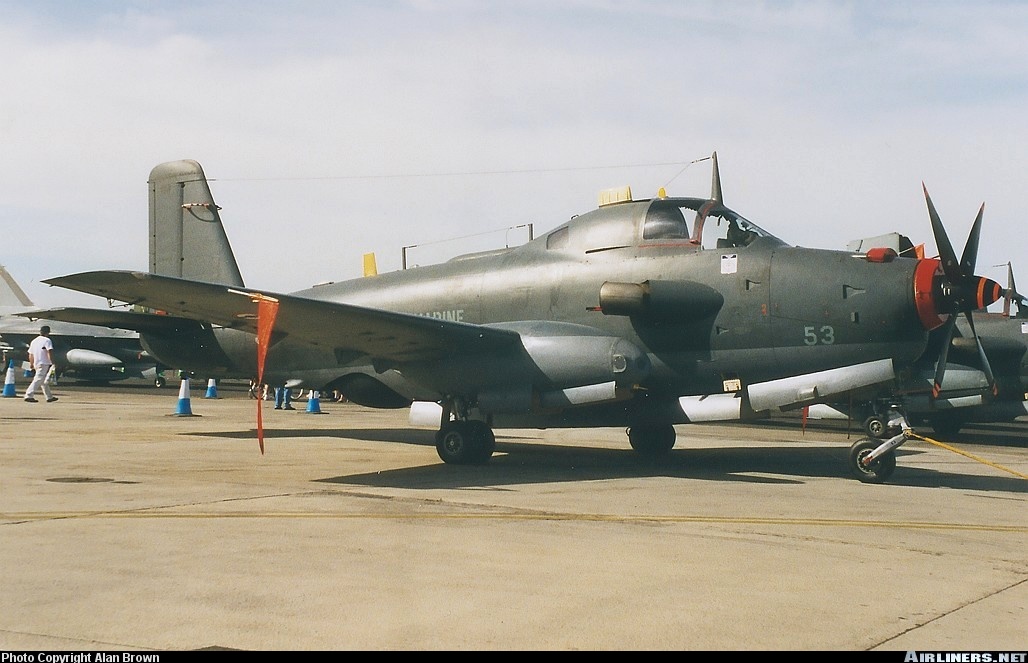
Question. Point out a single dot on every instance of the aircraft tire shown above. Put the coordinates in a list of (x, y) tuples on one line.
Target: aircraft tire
[(652, 439), (880, 470), (484, 441), (875, 427), (946, 424), (465, 443)]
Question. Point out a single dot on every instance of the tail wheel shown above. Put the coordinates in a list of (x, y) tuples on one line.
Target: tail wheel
[(880, 468)]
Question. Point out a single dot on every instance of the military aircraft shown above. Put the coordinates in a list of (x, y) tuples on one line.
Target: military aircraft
[(642, 313), (81, 351)]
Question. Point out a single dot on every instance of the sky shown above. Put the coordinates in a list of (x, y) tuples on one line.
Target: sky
[(331, 129)]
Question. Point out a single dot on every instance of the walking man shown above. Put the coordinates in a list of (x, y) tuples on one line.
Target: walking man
[(41, 356)]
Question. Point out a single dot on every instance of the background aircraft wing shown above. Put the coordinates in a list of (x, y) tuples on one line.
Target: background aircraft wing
[(129, 320), (340, 327)]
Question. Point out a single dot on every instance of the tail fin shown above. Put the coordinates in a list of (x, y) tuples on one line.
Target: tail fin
[(11, 293), (187, 239)]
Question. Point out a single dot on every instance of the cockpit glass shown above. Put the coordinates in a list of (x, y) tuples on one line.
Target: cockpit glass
[(665, 220), (713, 226), (724, 229)]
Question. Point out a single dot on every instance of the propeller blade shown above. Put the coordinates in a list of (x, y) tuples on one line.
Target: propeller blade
[(940, 367), (970, 255), (946, 254), (986, 368)]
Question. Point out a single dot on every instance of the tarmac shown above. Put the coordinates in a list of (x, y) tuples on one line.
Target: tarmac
[(127, 526)]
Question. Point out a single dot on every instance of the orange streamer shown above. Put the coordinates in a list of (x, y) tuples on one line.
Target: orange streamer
[(267, 310)]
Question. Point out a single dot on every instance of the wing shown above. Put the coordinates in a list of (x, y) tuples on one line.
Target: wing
[(388, 335), (152, 323)]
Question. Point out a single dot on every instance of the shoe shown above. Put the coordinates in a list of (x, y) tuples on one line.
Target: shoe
[(29, 399), (278, 407), (51, 400), (289, 407)]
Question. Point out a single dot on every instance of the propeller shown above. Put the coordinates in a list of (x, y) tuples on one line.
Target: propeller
[(958, 290)]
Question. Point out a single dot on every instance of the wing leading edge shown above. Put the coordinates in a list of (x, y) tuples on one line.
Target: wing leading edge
[(382, 334)]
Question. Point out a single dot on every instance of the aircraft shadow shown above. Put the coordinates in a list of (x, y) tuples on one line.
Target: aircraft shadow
[(519, 462)]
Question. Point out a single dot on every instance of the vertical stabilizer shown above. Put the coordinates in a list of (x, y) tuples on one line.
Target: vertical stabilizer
[(187, 239), (11, 293)]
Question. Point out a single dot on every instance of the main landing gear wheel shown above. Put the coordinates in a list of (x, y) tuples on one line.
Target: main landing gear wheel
[(875, 426), (652, 439), (880, 468), (465, 442), (946, 424)]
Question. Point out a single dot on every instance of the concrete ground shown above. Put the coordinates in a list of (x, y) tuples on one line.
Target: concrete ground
[(126, 527)]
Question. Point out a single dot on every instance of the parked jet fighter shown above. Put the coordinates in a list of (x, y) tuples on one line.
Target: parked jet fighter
[(641, 313), (81, 351)]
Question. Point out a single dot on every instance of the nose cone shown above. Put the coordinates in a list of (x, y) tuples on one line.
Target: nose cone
[(988, 291)]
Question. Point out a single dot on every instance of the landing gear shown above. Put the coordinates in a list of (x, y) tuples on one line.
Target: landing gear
[(946, 424), (871, 459), (652, 439), (871, 470), (469, 442), (875, 426)]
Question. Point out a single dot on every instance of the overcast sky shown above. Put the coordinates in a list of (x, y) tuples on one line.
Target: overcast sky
[(333, 129)]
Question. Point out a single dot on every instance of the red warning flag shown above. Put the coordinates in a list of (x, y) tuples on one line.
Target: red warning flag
[(267, 309)]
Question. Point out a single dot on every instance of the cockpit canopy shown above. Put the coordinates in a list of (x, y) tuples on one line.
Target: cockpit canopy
[(704, 224)]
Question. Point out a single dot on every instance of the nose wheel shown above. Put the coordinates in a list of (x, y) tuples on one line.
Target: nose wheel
[(874, 461), (868, 469)]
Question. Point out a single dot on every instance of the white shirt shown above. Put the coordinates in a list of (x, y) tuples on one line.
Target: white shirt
[(38, 350)]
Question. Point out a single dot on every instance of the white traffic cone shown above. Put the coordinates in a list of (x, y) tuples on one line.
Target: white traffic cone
[(183, 409), (212, 388), (314, 403), (9, 390)]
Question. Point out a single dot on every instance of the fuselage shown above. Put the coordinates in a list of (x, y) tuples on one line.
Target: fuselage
[(705, 310)]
